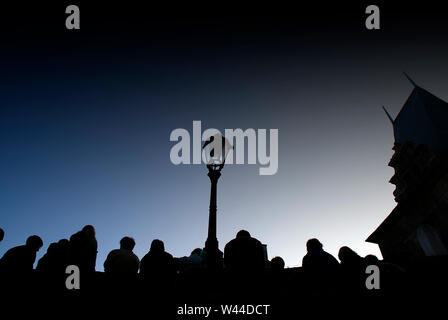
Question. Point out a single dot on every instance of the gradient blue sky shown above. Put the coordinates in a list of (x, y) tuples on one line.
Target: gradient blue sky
[(85, 124)]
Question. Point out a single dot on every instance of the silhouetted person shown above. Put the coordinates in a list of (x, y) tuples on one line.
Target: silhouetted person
[(317, 259), (277, 264), (350, 259), (352, 269), (320, 268), (371, 259), (83, 249), (244, 253), (123, 260), (157, 262), (196, 255), (392, 275), (21, 259), (46, 262), (219, 256), (194, 261), (2, 234), (56, 259)]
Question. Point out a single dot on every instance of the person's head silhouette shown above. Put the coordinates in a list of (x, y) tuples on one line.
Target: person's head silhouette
[(34, 243), (347, 255), (371, 259), (52, 248), (157, 246), (127, 243), (243, 234), (313, 245), (277, 264), (89, 231), (2, 234)]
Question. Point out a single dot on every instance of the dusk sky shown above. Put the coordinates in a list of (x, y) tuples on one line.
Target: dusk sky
[(86, 117)]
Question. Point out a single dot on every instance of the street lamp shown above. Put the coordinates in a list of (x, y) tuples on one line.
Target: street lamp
[(216, 150)]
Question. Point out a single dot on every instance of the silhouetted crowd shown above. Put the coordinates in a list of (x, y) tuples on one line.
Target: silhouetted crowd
[(243, 255), (159, 282)]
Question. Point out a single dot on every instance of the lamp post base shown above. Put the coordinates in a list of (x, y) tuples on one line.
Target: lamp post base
[(213, 257)]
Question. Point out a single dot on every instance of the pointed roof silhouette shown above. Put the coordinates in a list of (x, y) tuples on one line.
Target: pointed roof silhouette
[(423, 119)]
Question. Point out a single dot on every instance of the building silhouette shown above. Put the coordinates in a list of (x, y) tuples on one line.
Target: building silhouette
[(418, 226)]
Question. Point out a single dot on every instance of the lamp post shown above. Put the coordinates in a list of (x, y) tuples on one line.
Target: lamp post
[(216, 151)]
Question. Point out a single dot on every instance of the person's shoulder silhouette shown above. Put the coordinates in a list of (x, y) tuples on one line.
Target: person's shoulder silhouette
[(54, 261), (157, 261), (46, 262), (244, 253), (193, 262), (83, 249), (22, 258), (317, 259), (352, 269), (350, 259), (123, 260)]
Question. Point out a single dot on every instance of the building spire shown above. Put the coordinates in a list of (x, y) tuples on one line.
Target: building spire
[(410, 79), (388, 115)]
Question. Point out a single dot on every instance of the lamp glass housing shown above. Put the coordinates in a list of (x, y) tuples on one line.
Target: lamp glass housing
[(216, 150)]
